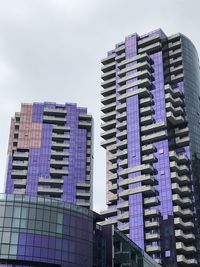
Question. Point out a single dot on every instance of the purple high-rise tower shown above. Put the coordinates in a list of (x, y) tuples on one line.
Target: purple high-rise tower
[(50, 153), (151, 124)]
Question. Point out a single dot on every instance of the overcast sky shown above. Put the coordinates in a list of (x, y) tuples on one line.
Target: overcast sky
[(50, 50)]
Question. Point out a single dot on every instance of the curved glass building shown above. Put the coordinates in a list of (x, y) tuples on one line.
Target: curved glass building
[(36, 231), (151, 132)]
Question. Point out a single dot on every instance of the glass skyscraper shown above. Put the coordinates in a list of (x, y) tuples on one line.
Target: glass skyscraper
[(50, 153), (151, 134)]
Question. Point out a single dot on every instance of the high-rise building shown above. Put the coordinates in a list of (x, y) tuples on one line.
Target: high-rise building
[(151, 132), (50, 153)]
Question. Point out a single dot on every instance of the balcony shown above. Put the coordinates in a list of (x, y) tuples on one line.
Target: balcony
[(123, 163), (177, 78), (60, 128), (85, 124), (50, 191), (181, 259), (120, 58), (112, 158), (122, 144), (113, 168), (58, 172), (108, 125), (152, 237), (182, 141), (145, 102), (181, 180), (123, 217), (109, 59), (20, 155), (108, 75), (146, 120), (137, 66), (178, 222), (108, 83), (181, 132), (108, 91), (182, 158), (175, 53), (180, 169), (146, 168), (109, 212), (19, 164), (59, 154), (149, 159), (145, 179), (59, 145), (60, 137), (148, 40), (108, 142), (19, 183), (113, 177), (108, 116), (153, 249), (58, 163), (142, 92), (122, 135), (148, 149), (183, 213), (142, 83), (145, 190), (85, 186), (112, 148), (182, 191), (138, 74), (122, 126), (123, 206), (152, 225), (19, 191), (50, 181), (145, 111), (108, 222), (175, 111), (124, 228), (182, 202), (180, 235), (176, 70), (151, 213), (85, 204), (138, 58), (19, 173), (122, 154), (173, 119), (155, 47), (174, 92), (121, 116), (108, 99), (82, 195), (121, 107), (181, 248), (55, 111), (108, 134), (151, 201), (154, 137), (113, 199), (109, 107), (54, 119), (176, 102)]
